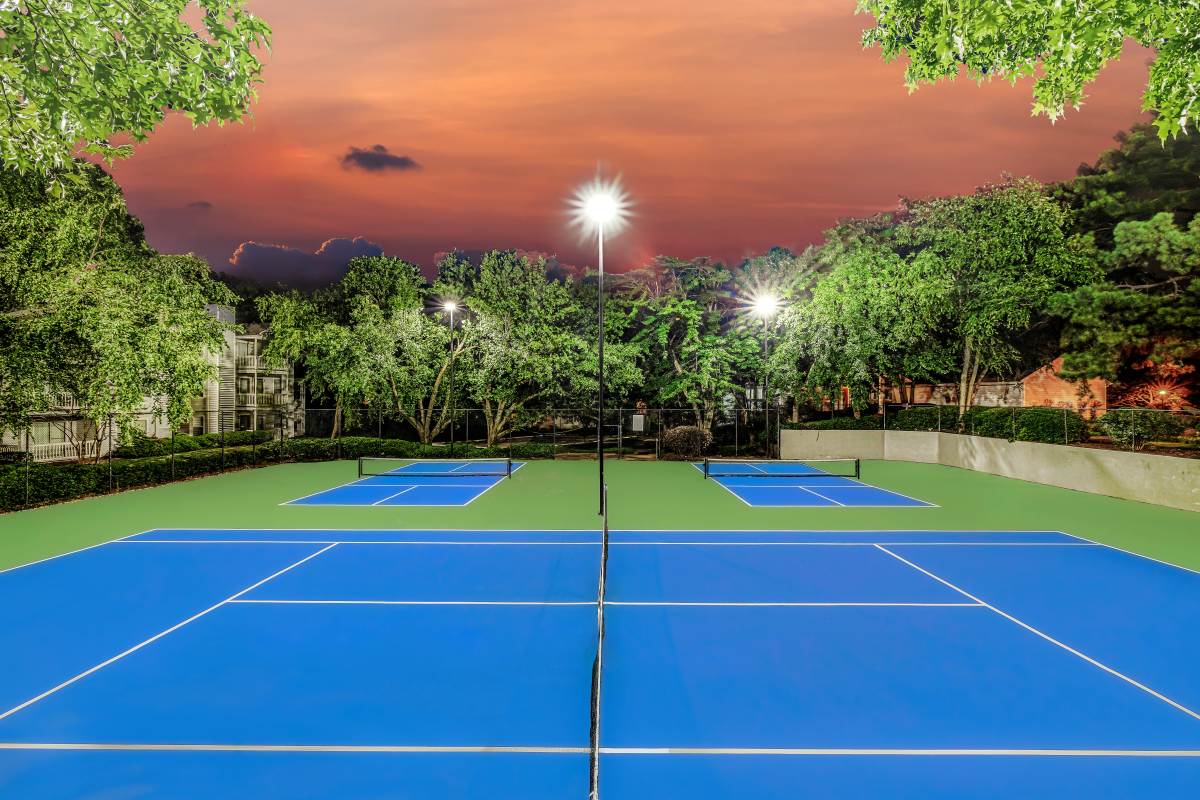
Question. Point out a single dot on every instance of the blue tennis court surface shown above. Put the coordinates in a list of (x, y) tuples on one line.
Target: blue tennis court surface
[(792, 484), (195, 663), (418, 483)]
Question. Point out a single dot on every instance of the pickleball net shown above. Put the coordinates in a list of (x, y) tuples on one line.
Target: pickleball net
[(598, 662), (782, 468), (378, 466)]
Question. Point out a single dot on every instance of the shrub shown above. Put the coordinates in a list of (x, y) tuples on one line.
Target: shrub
[(686, 440), (1134, 427), (923, 418), (52, 483), (144, 446), (867, 423)]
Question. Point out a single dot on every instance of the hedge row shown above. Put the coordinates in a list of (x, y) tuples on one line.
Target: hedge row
[(1049, 425), (53, 483), (145, 446)]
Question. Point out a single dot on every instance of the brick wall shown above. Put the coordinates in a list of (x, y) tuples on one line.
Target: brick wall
[(1045, 388)]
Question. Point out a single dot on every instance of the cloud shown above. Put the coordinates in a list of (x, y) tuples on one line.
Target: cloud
[(276, 263), (200, 205), (377, 159)]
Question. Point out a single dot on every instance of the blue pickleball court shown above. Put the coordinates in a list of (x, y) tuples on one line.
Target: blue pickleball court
[(292, 664), (817, 483), (405, 482)]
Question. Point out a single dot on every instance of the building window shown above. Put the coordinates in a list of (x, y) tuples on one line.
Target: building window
[(47, 433), (243, 422), (243, 385), (198, 424)]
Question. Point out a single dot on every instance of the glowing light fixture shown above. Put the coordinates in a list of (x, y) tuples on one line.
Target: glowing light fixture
[(601, 207), (766, 306)]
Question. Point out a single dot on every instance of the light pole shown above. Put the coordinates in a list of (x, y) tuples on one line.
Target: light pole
[(601, 207), (450, 307), (766, 307)]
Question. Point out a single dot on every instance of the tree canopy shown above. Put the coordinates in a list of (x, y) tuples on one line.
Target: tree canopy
[(75, 75), (1062, 45), (88, 308)]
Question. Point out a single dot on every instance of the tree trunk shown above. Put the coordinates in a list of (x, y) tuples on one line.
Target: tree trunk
[(965, 387), (336, 430)]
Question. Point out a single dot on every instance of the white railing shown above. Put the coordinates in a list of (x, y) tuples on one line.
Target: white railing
[(264, 400), (66, 451)]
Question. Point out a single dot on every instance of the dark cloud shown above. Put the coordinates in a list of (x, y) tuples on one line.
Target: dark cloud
[(276, 263), (200, 205), (377, 159)]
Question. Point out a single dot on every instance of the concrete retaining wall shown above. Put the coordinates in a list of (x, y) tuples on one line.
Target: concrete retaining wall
[(1162, 480)]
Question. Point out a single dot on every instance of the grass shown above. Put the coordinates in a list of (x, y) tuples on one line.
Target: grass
[(563, 494)]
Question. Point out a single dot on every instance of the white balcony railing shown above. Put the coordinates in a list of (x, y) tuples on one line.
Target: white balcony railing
[(264, 400), (62, 451)]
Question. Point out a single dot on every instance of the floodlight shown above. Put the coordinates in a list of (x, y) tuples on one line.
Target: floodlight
[(600, 207), (450, 306), (766, 305)]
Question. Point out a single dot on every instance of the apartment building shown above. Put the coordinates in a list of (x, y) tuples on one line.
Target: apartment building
[(247, 394)]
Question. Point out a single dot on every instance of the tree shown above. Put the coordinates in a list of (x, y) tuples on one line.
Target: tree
[(88, 308), (999, 256), (351, 337), (1137, 179), (76, 75), (1147, 309), (1063, 45), (690, 352), (870, 320), (527, 352)]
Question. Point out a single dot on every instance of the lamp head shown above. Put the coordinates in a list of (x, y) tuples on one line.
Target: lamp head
[(450, 306), (766, 306), (600, 207)]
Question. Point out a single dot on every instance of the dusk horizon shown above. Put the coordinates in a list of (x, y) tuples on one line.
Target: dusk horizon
[(416, 132)]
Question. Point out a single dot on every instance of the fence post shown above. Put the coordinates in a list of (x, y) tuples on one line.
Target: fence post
[(1014, 423), (1066, 437), (172, 454), (939, 409), (380, 422), (736, 413), (620, 434), (221, 430), (110, 452), (28, 465), (554, 433), (279, 422)]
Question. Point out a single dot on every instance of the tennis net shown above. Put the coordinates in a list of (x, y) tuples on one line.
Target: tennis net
[(598, 663), (375, 466), (782, 468)]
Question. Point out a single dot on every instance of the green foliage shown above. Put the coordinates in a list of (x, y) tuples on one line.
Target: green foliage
[(51, 483), (1139, 178), (1062, 45), (1148, 306), (867, 422), (143, 446), (78, 74), (88, 308), (1135, 428), (694, 350), (687, 440)]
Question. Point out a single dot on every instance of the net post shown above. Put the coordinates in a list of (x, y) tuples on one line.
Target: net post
[(857, 468), (508, 467), (360, 467), (706, 467)]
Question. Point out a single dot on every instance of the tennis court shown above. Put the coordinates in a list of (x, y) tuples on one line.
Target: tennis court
[(413, 482), (810, 483), (241, 663)]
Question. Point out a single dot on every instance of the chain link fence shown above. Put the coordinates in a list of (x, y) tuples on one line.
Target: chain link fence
[(1172, 432)]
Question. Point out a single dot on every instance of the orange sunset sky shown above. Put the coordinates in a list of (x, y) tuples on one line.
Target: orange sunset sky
[(736, 125)]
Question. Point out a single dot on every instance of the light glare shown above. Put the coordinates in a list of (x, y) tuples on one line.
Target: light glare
[(450, 305), (766, 306), (600, 207)]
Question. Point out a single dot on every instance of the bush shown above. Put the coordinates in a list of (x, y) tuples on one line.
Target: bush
[(144, 446), (1134, 427), (52, 483), (866, 423), (924, 418), (686, 440)]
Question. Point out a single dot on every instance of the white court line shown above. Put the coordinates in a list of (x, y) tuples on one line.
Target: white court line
[(818, 494), (158, 636), (612, 544), (397, 494), (592, 603), (658, 751), (1046, 636), (1139, 555), (413, 602), (73, 552)]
